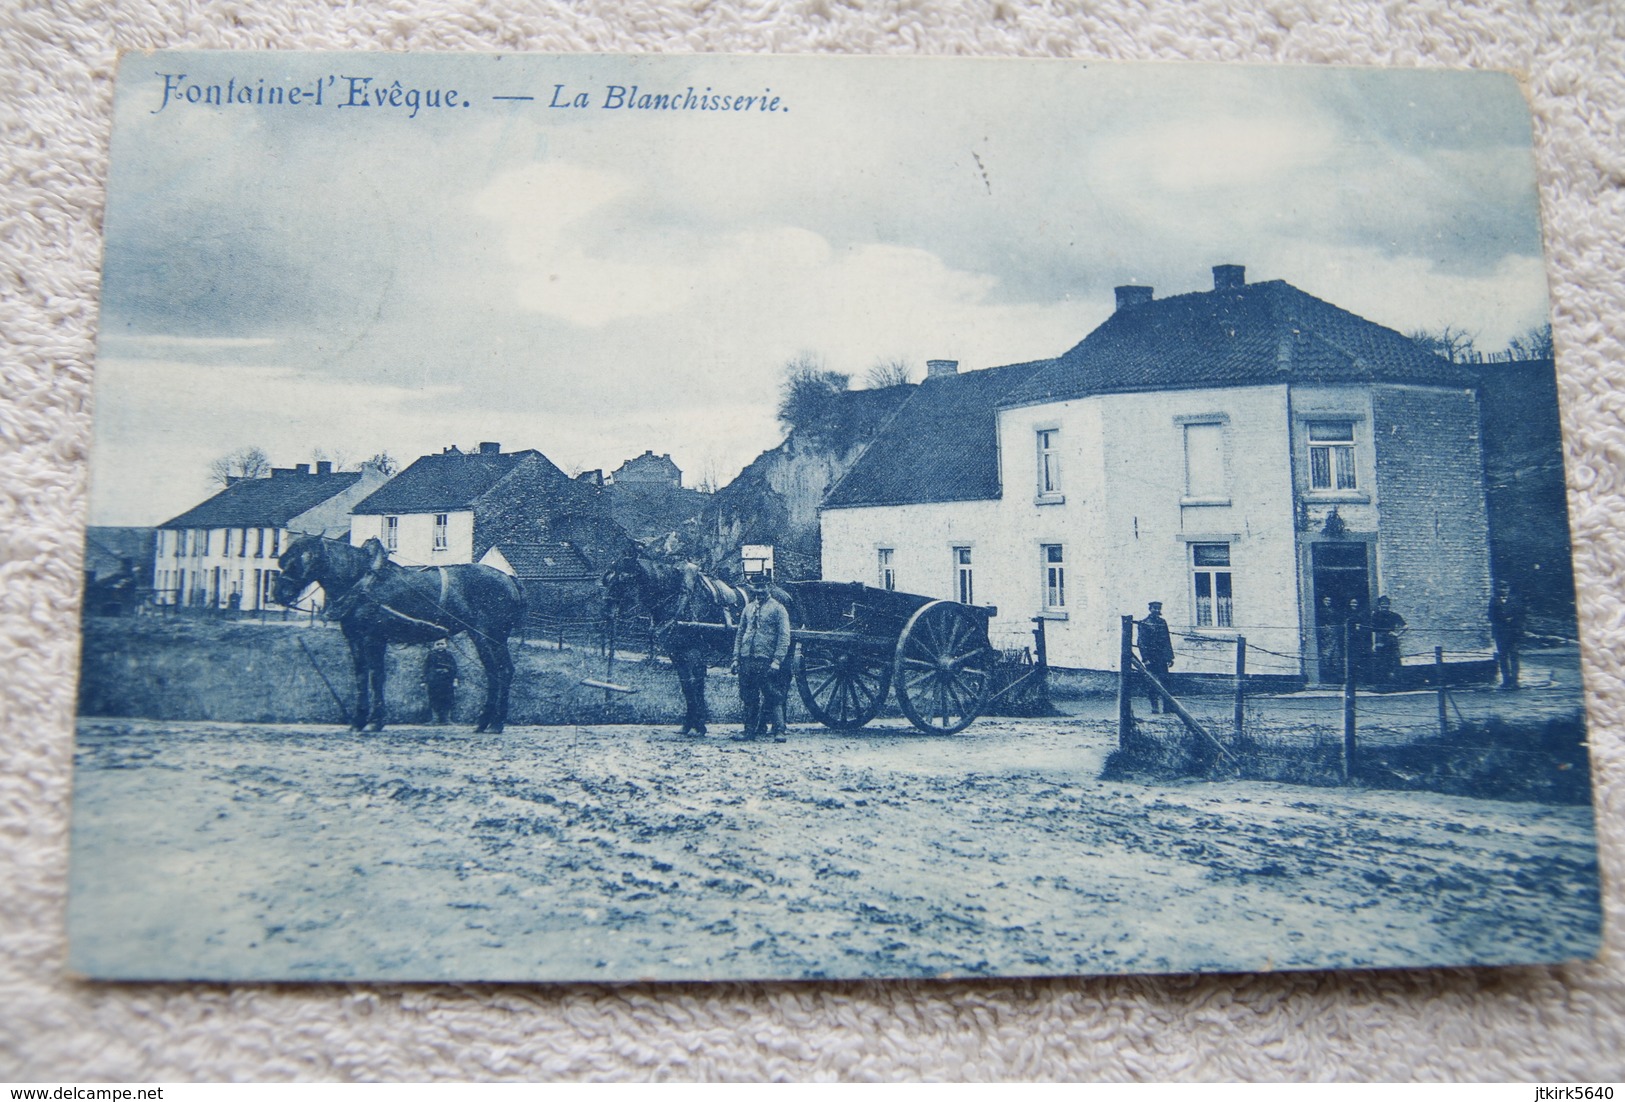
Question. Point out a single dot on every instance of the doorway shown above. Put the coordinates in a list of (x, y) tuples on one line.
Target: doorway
[(1341, 575)]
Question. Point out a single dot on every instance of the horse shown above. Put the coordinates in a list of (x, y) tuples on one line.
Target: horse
[(377, 602), (682, 594)]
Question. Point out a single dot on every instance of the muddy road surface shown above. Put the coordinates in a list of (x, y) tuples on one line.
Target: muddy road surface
[(214, 850)]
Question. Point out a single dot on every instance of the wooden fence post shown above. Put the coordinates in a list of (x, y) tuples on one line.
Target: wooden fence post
[(1041, 658), (1438, 679), (1241, 679), (609, 662), (1125, 684), (1350, 664)]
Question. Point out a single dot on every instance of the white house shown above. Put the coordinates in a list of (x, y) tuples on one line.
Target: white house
[(222, 553), (452, 507), (1246, 455)]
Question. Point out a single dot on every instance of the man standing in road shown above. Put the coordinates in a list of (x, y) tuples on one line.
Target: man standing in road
[(1156, 651), (440, 679), (761, 648), (1506, 628)]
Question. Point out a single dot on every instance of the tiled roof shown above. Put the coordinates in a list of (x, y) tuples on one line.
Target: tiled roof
[(1244, 335), (940, 445), (436, 483), (264, 502), (552, 560)]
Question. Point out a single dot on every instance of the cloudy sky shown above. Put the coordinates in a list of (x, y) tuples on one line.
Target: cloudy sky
[(594, 281)]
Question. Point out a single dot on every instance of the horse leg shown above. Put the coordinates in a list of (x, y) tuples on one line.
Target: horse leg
[(377, 659), (504, 679), (698, 708), (685, 681), (498, 665), (363, 679)]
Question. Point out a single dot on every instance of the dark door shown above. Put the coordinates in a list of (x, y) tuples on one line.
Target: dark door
[(1342, 585)]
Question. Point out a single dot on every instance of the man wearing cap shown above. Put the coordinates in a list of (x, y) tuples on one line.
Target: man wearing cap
[(761, 647), (1156, 651), (1506, 628)]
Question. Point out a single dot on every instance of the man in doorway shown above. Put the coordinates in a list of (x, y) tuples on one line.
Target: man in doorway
[(1506, 628), (440, 680), (1156, 651), (761, 647)]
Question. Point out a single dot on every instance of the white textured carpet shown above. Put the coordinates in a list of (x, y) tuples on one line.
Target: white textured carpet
[(1544, 1025)]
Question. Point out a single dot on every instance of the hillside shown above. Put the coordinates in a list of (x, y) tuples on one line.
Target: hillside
[(775, 500)]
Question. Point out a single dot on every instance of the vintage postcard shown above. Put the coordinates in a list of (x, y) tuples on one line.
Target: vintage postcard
[(692, 518)]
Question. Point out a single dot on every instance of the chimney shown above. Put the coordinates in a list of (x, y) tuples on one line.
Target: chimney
[(935, 369), (488, 447), (1229, 277), (1129, 296), (302, 468), (324, 466)]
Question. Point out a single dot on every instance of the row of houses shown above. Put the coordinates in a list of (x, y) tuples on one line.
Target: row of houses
[(515, 510)]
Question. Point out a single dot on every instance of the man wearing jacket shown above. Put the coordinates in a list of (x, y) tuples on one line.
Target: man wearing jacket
[(761, 649)]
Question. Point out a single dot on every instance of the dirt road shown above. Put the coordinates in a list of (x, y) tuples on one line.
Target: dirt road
[(615, 853)]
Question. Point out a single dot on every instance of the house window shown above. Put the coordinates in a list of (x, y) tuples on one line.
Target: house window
[(442, 523), (207, 539), (230, 542), (1054, 559), (276, 542), (964, 584), (888, 573), (1331, 455), (1204, 461), (268, 588), (392, 533), (1210, 583), (259, 543), (242, 543), (1049, 462)]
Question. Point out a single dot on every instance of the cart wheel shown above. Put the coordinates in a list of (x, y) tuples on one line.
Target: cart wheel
[(842, 689), (942, 668)]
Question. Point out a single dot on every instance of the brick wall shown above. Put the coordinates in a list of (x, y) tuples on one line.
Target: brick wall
[(1433, 537)]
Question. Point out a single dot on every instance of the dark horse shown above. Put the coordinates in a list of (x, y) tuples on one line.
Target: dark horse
[(673, 595), (378, 602)]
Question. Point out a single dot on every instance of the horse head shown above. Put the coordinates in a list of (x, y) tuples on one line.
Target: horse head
[(624, 580), (301, 565)]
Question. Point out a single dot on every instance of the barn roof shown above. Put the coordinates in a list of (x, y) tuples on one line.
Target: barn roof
[(1242, 334), (450, 480), (264, 502), (548, 560), (940, 445)]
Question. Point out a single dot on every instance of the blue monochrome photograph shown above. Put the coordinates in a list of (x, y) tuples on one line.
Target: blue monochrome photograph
[(593, 518)]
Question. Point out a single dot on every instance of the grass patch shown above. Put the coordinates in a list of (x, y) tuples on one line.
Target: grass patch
[(1537, 760), (188, 668)]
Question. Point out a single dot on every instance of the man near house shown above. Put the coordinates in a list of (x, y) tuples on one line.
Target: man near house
[(1506, 628), (440, 680), (761, 647), (1156, 651), (1386, 628)]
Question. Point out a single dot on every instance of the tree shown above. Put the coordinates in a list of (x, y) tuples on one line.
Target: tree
[(247, 462), (383, 463), (894, 371), (1453, 343), (810, 399), (1535, 344)]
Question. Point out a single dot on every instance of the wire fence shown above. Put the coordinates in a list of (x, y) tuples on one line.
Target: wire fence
[(1381, 708)]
